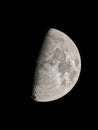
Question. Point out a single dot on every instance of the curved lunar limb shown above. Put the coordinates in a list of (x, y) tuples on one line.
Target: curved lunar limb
[(58, 67)]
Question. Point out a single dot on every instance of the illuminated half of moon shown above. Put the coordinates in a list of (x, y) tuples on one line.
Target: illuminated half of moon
[(58, 67)]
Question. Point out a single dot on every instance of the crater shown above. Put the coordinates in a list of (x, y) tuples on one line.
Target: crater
[(59, 55), (64, 67), (72, 75), (63, 82), (76, 62), (51, 61)]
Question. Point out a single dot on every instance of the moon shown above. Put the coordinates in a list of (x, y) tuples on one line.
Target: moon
[(58, 67)]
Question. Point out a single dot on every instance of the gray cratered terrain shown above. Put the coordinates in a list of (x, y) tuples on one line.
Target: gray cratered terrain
[(58, 67)]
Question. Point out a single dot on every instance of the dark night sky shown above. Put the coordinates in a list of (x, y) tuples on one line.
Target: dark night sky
[(29, 26), (75, 25)]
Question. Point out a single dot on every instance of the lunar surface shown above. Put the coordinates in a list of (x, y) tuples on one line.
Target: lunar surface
[(58, 67)]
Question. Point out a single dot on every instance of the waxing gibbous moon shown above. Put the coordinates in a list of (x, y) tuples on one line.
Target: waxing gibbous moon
[(58, 67)]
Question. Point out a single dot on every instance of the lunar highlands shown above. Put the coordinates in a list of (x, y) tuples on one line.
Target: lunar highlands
[(58, 67)]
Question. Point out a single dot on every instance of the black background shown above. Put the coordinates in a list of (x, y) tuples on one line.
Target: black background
[(28, 27), (76, 24)]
